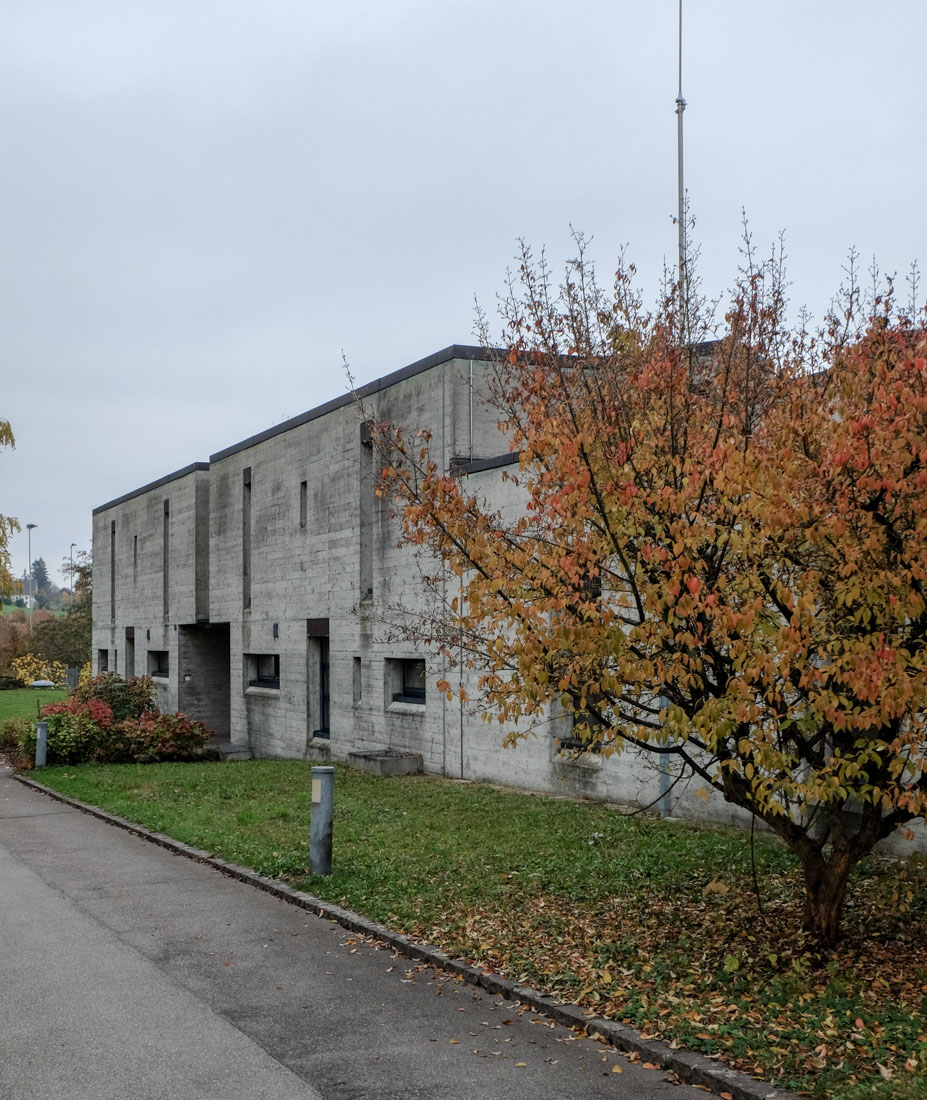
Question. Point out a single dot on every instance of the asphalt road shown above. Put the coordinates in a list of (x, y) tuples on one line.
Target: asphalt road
[(130, 973)]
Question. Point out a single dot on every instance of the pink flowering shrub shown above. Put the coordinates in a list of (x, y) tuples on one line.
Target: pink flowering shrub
[(85, 731)]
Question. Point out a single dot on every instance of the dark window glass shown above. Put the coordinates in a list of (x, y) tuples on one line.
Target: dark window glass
[(412, 681)]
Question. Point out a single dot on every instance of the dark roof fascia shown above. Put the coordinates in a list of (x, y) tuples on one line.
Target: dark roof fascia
[(185, 472), (478, 465), (455, 351)]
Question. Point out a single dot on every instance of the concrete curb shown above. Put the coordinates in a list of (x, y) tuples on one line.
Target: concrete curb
[(694, 1069)]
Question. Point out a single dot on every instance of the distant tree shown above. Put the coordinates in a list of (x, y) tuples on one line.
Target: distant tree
[(77, 570), (14, 640), (65, 639), (68, 639), (40, 582), (8, 526), (81, 577)]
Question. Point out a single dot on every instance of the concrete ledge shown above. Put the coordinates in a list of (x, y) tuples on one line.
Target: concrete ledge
[(695, 1069), (226, 750), (387, 762), (416, 709)]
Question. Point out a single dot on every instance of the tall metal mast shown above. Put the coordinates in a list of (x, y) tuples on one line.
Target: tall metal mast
[(680, 108)]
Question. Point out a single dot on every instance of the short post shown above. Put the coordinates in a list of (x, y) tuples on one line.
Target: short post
[(41, 743), (320, 820)]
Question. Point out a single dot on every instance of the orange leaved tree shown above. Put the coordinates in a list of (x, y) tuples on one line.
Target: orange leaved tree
[(8, 526), (721, 553)]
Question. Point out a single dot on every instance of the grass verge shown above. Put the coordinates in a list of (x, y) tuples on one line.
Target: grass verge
[(22, 702), (651, 922)]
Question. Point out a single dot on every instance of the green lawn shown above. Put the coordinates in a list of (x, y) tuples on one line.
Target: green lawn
[(652, 922), (22, 702)]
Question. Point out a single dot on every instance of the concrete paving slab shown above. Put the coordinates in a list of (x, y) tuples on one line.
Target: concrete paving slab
[(84, 1015)]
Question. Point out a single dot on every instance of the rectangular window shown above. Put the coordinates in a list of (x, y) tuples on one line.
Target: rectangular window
[(166, 562), (357, 679), (263, 670), (409, 678), (135, 559), (102, 660), (158, 663), (246, 538), (303, 504), (572, 742)]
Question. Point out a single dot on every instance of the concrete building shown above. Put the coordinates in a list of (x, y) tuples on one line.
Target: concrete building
[(257, 590)]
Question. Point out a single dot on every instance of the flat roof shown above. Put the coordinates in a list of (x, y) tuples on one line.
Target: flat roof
[(453, 351), (185, 472)]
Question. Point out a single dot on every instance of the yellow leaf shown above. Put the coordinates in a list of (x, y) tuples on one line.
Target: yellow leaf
[(617, 1069)]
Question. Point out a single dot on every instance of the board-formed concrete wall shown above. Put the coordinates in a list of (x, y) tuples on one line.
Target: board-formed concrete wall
[(151, 562), (249, 575)]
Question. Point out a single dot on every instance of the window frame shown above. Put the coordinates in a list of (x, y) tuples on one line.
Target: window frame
[(412, 679), (157, 670), (264, 670)]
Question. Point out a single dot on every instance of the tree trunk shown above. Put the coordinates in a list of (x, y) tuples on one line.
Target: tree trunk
[(825, 894)]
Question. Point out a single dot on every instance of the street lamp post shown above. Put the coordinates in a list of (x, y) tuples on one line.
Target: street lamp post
[(71, 601), (30, 527)]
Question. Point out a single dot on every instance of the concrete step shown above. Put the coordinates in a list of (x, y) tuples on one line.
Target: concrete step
[(225, 750)]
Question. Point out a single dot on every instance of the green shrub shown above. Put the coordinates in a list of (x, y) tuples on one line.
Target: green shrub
[(12, 731), (125, 698), (78, 732)]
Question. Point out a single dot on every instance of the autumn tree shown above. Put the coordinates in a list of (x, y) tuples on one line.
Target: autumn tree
[(8, 525), (722, 556), (68, 639)]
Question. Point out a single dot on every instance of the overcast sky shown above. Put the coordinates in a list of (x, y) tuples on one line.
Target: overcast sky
[(204, 202)]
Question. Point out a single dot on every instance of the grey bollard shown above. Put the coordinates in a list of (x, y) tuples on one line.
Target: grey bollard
[(41, 743), (320, 821)]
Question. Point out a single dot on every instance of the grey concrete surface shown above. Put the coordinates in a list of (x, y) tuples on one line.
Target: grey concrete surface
[(130, 972)]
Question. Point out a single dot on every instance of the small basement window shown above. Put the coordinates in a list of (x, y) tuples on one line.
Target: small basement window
[(264, 670), (158, 663), (410, 680), (573, 743)]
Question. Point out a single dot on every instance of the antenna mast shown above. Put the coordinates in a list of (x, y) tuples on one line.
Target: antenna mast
[(680, 108)]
